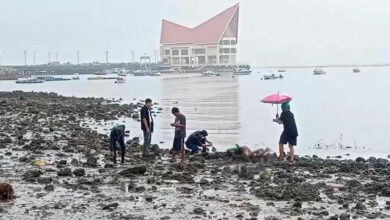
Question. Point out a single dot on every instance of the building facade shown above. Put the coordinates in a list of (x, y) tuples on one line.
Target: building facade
[(212, 43)]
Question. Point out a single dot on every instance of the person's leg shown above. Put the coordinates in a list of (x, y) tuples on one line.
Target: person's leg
[(193, 148), (183, 152), (122, 144), (281, 151), (113, 149), (204, 149), (174, 150), (291, 153), (146, 145)]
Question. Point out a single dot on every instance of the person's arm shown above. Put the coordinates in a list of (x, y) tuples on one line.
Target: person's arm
[(178, 125), (280, 119), (144, 114)]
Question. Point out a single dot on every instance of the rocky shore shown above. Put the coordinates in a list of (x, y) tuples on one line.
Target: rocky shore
[(59, 168)]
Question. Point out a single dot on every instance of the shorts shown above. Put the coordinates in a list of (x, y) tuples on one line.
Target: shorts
[(178, 144), (285, 138)]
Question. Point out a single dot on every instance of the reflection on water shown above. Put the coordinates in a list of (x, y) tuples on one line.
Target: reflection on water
[(209, 103), (340, 103)]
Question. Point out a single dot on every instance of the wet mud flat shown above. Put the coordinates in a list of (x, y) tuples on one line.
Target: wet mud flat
[(77, 180)]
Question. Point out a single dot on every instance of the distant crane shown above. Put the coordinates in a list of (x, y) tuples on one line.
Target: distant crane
[(106, 56), (49, 57)]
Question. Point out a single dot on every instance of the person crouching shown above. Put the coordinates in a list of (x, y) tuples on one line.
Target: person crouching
[(117, 135)]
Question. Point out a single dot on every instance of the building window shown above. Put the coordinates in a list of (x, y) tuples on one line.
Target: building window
[(233, 50), (226, 42), (185, 60), (226, 50), (175, 52), (200, 51), (233, 42), (167, 52), (175, 61), (212, 59), (220, 42), (165, 60), (184, 52), (224, 59), (220, 50)]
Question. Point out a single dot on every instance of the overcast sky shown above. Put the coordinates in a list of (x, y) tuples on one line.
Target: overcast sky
[(272, 32)]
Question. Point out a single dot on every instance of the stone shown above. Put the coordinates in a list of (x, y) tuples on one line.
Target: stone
[(198, 211), (64, 172), (79, 172), (133, 170), (345, 216), (111, 206), (360, 160)]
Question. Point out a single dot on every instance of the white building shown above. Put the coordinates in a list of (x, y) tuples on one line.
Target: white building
[(211, 43)]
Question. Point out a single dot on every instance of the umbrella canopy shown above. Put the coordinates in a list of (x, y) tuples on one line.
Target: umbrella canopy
[(276, 99)]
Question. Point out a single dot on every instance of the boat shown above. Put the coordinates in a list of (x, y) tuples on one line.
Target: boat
[(155, 73), (242, 71), (101, 78), (76, 76), (100, 73), (141, 72), (272, 76), (356, 70), (122, 74), (281, 71), (29, 80), (167, 70), (57, 79), (210, 73), (120, 80), (318, 71)]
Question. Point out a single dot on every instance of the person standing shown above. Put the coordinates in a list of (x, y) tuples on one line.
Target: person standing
[(117, 134), (147, 126), (290, 131), (180, 134)]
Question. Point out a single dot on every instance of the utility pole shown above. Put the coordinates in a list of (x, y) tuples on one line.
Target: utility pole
[(34, 57), (78, 57), (132, 56), (57, 57), (25, 57), (106, 56), (49, 57)]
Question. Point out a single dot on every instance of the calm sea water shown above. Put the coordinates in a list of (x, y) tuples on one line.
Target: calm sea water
[(342, 112)]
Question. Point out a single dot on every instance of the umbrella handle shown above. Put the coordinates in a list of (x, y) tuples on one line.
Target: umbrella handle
[(277, 111)]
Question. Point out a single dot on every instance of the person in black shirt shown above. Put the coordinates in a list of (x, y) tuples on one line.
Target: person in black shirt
[(290, 131), (198, 140), (147, 126), (180, 134), (117, 135)]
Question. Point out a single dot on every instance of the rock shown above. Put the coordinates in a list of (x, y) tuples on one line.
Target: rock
[(49, 187), (64, 172), (360, 206), (335, 217), (155, 149), (74, 162), (92, 162), (31, 175), (149, 198), (297, 204), (345, 216), (133, 170), (198, 211), (62, 162), (360, 160), (44, 180), (79, 172), (6, 191), (109, 165), (111, 206)]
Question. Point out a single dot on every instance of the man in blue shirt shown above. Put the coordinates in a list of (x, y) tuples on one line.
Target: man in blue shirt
[(198, 140)]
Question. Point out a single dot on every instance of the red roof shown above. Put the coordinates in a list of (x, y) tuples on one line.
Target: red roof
[(210, 31)]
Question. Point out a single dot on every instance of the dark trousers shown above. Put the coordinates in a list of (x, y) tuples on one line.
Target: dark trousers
[(113, 148)]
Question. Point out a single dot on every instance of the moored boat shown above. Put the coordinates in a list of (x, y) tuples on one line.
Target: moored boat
[(210, 73), (272, 76), (356, 70), (120, 80), (242, 71), (29, 80), (76, 76), (318, 71)]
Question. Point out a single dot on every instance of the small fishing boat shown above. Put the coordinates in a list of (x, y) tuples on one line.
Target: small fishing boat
[(57, 79), (154, 73), (356, 70), (318, 71), (210, 73), (29, 80), (272, 76), (242, 71), (120, 80), (281, 71), (76, 76), (141, 73)]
